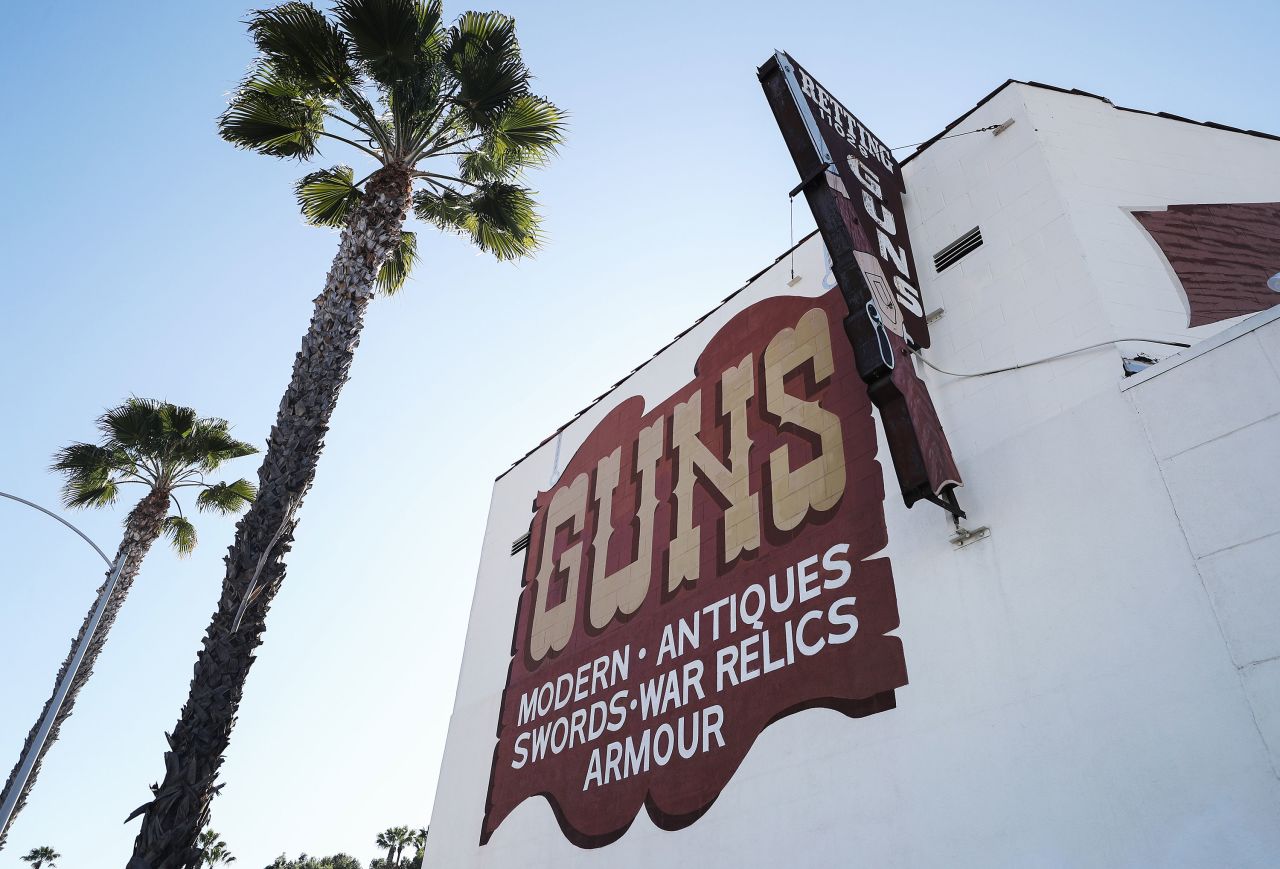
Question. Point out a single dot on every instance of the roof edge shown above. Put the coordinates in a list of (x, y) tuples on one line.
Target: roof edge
[(1079, 93)]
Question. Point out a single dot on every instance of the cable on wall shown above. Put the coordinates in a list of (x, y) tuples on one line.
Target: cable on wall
[(916, 350), (792, 201), (952, 136)]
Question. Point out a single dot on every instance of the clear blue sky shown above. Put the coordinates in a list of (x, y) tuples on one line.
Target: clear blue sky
[(143, 255)]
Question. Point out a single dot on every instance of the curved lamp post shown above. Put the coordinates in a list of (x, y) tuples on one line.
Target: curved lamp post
[(64, 685)]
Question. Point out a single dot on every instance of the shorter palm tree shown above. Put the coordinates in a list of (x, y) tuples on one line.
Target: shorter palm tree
[(165, 449), (418, 840), (213, 851), (41, 857), (394, 839)]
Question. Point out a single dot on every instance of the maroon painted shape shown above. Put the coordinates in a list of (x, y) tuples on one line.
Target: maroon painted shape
[(1223, 255), (856, 677)]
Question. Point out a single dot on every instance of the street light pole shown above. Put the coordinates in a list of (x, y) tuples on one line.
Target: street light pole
[(83, 536), (28, 760)]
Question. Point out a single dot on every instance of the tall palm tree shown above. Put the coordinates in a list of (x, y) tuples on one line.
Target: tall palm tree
[(394, 840), (165, 449), (41, 857), (213, 851), (447, 117)]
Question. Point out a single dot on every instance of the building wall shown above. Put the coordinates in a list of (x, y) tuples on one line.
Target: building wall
[(1024, 294), (1107, 162), (1213, 423), (1092, 685), (1063, 262)]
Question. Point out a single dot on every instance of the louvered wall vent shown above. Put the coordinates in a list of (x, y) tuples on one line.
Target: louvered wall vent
[(521, 542), (957, 250)]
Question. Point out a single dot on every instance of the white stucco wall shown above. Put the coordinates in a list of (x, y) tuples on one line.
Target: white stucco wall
[(1093, 685), (1107, 162), (1212, 416)]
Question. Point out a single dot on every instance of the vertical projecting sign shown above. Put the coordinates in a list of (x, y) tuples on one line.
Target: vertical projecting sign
[(854, 187)]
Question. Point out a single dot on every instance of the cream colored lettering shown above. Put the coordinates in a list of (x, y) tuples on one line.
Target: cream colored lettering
[(622, 591), (552, 626), (818, 484), (731, 481)]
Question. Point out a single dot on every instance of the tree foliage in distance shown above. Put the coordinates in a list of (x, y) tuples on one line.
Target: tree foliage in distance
[(396, 840), (213, 850), (42, 857), (337, 861)]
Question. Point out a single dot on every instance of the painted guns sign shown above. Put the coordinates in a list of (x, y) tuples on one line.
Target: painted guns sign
[(701, 569)]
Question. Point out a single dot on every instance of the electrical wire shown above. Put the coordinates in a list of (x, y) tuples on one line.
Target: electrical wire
[(944, 138), (792, 200), (916, 351)]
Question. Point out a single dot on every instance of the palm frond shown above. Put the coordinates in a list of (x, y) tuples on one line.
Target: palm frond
[(532, 126), (137, 424), (388, 36), (181, 533), (209, 444), (327, 197), (77, 496), (299, 41), (227, 498), (489, 34), (273, 116), (527, 133), (484, 55), (447, 210), (87, 463), (490, 161), (178, 421), (506, 220), (395, 271), (499, 218), (88, 470), (155, 440)]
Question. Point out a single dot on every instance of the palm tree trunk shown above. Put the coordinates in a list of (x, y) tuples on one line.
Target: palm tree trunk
[(180, 806), (141, 529)]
